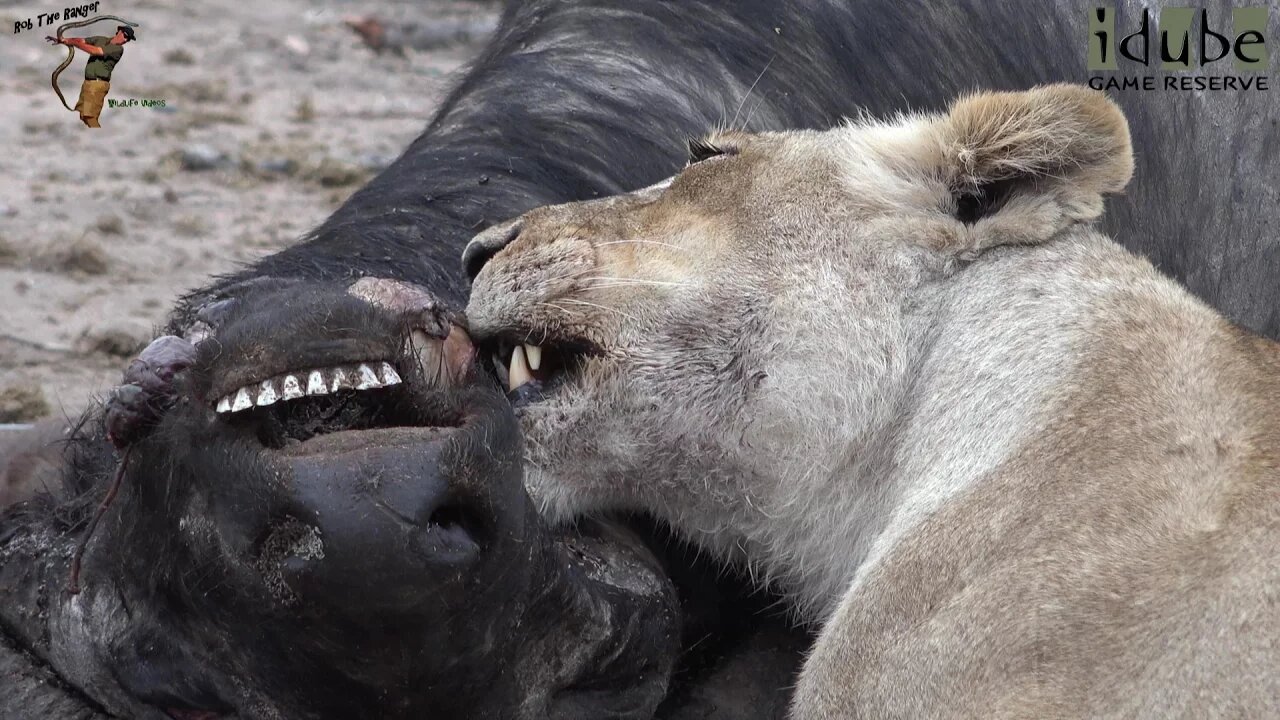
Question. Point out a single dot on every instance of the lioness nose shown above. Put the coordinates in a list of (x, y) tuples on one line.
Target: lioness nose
[(487, 244)]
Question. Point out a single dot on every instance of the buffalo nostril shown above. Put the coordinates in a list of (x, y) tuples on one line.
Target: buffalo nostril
[(484, 246), (459, 523)]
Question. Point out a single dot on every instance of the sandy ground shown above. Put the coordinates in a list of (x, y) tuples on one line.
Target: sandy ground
[(274, 112)]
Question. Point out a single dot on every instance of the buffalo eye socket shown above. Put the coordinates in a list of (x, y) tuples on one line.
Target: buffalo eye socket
[(700, 150)]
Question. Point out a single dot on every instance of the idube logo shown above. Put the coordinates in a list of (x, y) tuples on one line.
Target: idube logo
[(1186, 40)]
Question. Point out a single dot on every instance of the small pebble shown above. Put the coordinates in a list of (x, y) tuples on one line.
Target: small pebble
[(110, 224), (200, 157), (297, 45), (278, 166)]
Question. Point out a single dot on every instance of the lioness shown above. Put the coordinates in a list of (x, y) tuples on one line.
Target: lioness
[(1008, 468)]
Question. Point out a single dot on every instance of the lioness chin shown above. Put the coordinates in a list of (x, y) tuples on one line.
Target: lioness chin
[(1009, 468)]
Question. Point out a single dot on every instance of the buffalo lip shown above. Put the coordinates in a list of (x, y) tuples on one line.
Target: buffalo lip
[(341, 441)]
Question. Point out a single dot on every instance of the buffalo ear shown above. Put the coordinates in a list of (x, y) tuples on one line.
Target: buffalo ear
[(1024, 165)]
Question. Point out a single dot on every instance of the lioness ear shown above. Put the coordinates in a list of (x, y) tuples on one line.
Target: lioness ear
[(1023, 165)]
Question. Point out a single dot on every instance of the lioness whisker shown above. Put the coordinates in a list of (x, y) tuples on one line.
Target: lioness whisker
[(632, 279), (604, 281), (564, 310), (751, 89), (609, 286), (746, 123), (602, 307), (646, 242)]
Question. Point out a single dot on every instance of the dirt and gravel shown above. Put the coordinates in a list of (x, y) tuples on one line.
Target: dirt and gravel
[(273, 113)]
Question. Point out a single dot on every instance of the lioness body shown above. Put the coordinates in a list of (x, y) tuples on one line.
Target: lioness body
[(1010, 469), (1096, 539)]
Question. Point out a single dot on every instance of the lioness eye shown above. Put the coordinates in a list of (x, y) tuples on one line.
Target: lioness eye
[(700, 150)]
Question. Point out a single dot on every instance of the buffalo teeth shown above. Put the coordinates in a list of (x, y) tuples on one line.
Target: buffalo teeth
[(368, 378), (242, 401), (267, 394), (323, 381), (340, 381), (291, 388), (389, 374), (316, 384)]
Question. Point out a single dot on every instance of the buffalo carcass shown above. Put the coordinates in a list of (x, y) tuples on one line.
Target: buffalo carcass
[(205, 592)]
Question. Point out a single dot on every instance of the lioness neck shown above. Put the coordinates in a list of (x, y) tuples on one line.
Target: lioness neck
[(991, 353)]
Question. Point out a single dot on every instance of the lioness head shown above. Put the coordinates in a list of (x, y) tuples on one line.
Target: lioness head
[(709, 347)]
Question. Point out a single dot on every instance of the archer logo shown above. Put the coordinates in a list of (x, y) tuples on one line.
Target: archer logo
[(103, 53), (1184, 39)]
